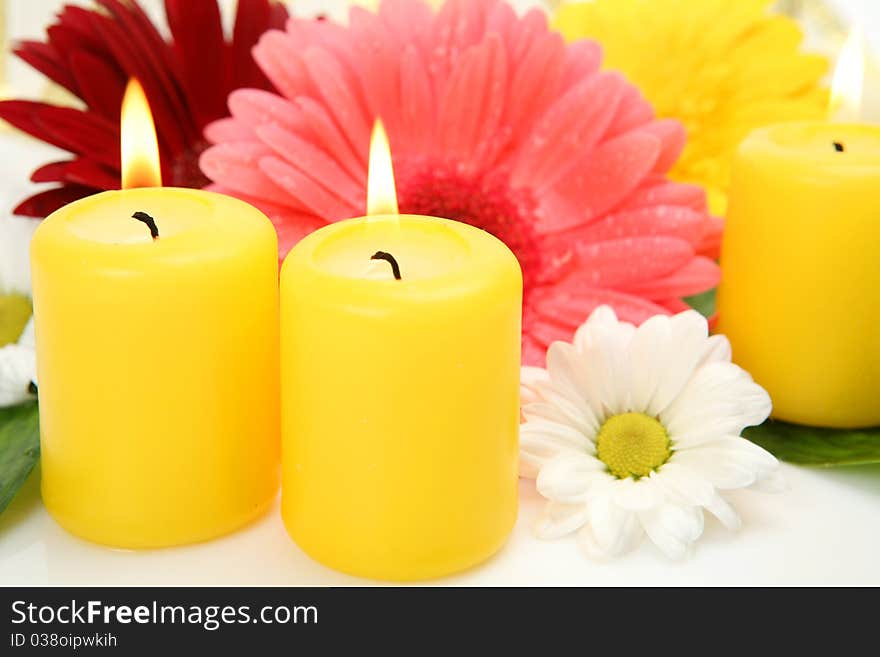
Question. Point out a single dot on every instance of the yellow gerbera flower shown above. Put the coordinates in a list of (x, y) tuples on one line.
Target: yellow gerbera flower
[(721, 67)]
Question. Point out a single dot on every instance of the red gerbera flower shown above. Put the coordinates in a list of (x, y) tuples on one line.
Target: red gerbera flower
[(93, 53)]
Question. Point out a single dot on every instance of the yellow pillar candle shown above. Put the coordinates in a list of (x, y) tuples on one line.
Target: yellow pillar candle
[(400, 355), (799, 291), (156, 318), (157, 365), (400, 397)]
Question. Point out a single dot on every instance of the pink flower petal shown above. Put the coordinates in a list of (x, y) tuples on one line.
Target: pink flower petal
[(571, 127), (235, 166), (658, 191), (533, 352), (571, 303), (380, 73), (672, 138), (474, 101), (313, 195), (667, 220), (418, 107), (228, 129), (502, 20), (636, 112), (341, 95), (710, 243), (613, 170), (458, 25), (255, 107), (292, 227), (280, 59), (407, 18), (323, 132), (534, 86), (698, 275), (544, 333), (530, 34), (582, 59), (630, 261), (674, 305), (314, 163)]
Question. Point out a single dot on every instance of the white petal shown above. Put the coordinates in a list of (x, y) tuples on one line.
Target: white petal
[(569, 373), (611, 531), (558, 519), (27, 339), (673, 528), (773, 482), (638, 495), (720, 399), (608, 374), (18, 368), (562, 435), (679, 356), (562, 365), (600, 319), (540, 441), (543, 410), (528, 469), (646, 356), (744, 450), (717, 350), (731, 458), (723, 470), (719, 508), (529, 377), (560, 414), (573, 405), (684, 484), (568, 477), (604, 374)]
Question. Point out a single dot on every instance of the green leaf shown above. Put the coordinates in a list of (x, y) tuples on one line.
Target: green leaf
[(817, 445), (19, 448), (704, 303)]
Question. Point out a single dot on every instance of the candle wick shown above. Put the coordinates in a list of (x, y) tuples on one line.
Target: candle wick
[(147, 219), (395, 268), (839, 147)]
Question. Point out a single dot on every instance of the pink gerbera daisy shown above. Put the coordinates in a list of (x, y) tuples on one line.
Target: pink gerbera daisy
[(494, 121)]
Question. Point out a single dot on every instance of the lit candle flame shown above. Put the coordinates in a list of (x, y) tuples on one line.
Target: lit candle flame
[(381, 192), (849, 78), (140, 148)]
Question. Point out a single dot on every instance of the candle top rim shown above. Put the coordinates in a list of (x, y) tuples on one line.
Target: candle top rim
[(823, 144), (102, 222), (473, 254)]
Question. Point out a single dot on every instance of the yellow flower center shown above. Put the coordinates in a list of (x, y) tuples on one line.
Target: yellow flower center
[(632, 445), (15, 311)]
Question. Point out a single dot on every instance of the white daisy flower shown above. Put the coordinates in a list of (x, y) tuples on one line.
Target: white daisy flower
[(18, 371), (632, 431)]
